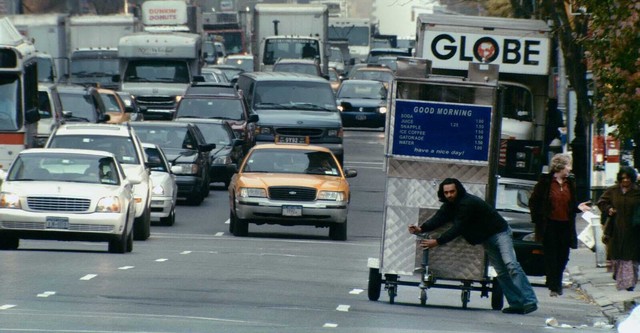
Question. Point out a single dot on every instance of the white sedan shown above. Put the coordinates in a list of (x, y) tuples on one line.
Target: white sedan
[(68, 195), (164, 190)]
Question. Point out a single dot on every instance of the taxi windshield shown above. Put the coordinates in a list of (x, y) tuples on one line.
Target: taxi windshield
[(291, 161)]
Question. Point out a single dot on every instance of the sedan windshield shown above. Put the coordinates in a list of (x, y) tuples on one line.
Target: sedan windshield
[(291, 161), (69, 168)]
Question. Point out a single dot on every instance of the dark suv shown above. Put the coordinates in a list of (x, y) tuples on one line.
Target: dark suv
[(187, 152), (216, 102), (292, 104)]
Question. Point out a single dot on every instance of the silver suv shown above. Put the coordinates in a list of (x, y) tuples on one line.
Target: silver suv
[(125, 145)]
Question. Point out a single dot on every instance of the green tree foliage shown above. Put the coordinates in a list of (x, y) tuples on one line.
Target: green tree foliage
[(613, 54)]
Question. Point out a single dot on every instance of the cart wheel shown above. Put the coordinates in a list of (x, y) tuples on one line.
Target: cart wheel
[(375, 280), (497, 300), (392, 293), (423, 297), (466, 295)]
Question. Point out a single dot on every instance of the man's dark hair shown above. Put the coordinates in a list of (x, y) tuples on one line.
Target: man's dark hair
[(448, 181)]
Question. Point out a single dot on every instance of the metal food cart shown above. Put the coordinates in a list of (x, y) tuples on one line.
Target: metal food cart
[(438, 127)]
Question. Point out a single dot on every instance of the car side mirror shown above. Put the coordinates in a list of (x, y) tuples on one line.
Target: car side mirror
[(104, 118), (350, 173), (207, 147), (32, 116), (253, 118), (134, 179)]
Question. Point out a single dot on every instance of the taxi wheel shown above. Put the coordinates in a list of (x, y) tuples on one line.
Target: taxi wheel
[(338, 231), (232, 222), (240, 227)]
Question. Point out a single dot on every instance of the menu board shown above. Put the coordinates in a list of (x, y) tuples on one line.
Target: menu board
[(442, 130)]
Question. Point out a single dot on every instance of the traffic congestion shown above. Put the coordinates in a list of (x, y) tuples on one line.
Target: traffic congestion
[(233, 170)]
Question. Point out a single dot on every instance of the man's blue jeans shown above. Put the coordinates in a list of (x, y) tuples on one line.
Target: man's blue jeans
[(515, 285)]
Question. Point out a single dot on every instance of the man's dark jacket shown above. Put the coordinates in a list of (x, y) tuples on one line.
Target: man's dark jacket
[(473, 219)]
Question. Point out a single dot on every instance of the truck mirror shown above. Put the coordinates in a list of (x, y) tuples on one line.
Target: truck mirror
[(32, 116)]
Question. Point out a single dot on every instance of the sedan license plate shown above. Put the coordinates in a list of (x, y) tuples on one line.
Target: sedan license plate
[(291, 210), (55, 222), (361, 117)]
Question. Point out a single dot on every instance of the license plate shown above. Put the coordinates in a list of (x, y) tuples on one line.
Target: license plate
[(291, 210), (55, 222), (292, 139), (361, 117)]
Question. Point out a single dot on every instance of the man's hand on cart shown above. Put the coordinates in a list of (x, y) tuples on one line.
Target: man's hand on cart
[(414, 229), (428, 243)]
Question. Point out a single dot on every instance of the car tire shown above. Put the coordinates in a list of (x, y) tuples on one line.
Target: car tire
[(169, 220), (232, 222), (338, 231), (142, 226), (375, 282), (206, 187), (240, 227), (9, 243), (118, 245), (130, 241), (195, 199)]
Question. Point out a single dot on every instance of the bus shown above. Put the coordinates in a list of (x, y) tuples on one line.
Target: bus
[(18, 93)]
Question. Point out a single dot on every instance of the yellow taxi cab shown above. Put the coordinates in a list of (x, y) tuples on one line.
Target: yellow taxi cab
[(290, 182)]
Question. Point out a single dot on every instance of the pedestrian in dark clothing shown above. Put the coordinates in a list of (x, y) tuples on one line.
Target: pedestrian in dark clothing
[(619, 203), (479, 223), (553, 207)]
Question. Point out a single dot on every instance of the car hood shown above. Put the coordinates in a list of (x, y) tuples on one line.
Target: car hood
[(363, 102), (284, 179), (180, 155), (155, 89), (58, 189), (299, 118)]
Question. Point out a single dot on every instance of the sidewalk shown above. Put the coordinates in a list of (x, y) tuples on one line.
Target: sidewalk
[(598, 285)]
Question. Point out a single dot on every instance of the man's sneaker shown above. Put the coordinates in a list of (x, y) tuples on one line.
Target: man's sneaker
[(513, 310)]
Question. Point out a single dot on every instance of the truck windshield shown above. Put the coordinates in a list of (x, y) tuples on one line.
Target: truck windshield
[(276, 48), (294, 95), (358, 36), (98, 70), (163, 71), (9, 116)]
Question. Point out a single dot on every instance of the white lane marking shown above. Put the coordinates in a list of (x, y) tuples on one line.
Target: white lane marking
[(343, 308), (126, 267), (218, 234), (227, 221), (46, 294), (330, 325), (161, 260), (185, 252), (7, 306), (88, 277), (356, 291)]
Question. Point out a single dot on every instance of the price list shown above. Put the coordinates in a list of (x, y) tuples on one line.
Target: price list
[(442, 130)]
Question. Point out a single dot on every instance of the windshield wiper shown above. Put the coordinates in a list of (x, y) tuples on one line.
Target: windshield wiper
[(311, 106)]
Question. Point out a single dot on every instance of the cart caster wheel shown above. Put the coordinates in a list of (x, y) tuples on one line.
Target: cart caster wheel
[(375, 280), (497, 299), (423, 297), (466, 295), (392, 294)]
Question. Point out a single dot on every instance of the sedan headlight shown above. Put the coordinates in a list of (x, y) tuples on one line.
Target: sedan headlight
[(331, 195), (382, 109), (108, 205), (185, 169), (252, 192), (158, 190), (9, 200), (222, 160)]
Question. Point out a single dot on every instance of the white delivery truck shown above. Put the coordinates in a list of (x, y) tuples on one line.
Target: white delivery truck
[(290, 31), (356, 30), (522, 48), (93, 42), (49, 35), (157, 69)]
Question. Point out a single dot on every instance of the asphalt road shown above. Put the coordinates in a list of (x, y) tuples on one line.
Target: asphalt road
[(196, 277)]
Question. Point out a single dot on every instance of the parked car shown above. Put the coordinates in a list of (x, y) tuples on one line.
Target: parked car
[(120, 140), (290, 184), (186, 150), (244, 61), (512, 202), (228, 106), (67, 195), (114, 106), (82, 104), (50, 108), (227, 154), (363, 103), (164, 190)]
